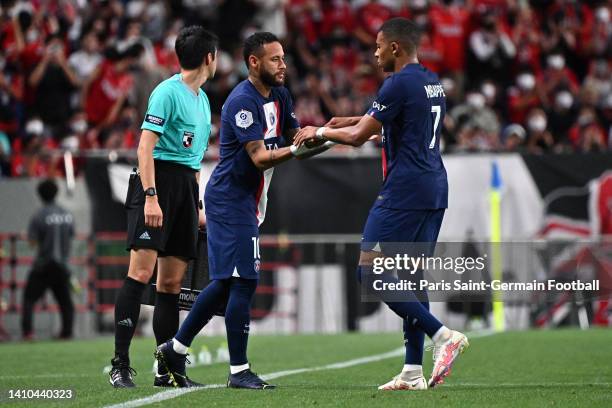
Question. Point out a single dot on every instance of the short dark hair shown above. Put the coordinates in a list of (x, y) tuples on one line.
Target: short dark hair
[(47, 190), (403, 31), (254, 44), (193, 44), (133, 51)]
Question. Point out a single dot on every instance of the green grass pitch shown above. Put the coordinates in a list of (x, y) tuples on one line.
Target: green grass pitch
[(563, 368)]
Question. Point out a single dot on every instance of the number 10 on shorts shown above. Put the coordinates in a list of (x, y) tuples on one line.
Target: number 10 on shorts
[(256, 254)]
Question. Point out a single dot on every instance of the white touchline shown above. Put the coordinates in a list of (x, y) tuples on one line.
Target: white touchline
[(170, 394)]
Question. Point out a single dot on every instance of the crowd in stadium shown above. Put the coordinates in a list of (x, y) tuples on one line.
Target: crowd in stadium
[(519, 75)]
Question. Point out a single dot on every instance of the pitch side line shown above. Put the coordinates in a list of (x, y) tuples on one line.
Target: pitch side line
[(170, 394)]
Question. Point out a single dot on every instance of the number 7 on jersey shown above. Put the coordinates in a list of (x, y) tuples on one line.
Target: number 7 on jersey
[(435, 109)]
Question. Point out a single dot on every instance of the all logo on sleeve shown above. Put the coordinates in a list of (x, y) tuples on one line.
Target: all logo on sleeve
[(244, 119)]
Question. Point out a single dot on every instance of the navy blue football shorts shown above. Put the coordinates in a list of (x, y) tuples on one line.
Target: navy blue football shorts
[(395, 227), (233, 250)]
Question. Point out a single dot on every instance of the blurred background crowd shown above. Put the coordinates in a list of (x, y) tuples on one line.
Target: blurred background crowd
[(519, 75)]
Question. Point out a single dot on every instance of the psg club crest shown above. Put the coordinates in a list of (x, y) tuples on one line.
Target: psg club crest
[(187, 139), (257, 265)]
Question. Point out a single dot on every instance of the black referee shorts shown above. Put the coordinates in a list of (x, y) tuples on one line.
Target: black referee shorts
[(177, 191)]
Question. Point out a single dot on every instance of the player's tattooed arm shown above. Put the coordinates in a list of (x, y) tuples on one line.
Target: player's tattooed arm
[(355, 135), (265, 159)]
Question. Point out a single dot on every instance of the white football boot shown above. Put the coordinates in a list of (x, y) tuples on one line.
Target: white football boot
[(404, 382), (444, 356)]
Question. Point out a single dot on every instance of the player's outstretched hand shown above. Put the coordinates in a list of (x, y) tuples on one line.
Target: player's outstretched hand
[(153, 214), (305, 134)]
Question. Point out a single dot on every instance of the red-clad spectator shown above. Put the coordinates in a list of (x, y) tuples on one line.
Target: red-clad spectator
[(164, 50), (11, 36), (338, 21), (557, 76), (431, 46), (106, 91), (587, 134), (567, 31), (451, 23), (31, 156), (575, 21), (526, 36), (498, 7), (343, 57), (523, 97), (600, 38), (303, 17), (365, 82), (369, 18), (124, 133), (27, 49)]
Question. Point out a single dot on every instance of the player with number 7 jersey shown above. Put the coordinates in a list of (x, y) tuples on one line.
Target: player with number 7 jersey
[(409, 111)]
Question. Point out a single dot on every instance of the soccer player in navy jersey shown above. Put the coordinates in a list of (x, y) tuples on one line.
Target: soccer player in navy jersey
[(257, 130), (409, 110)]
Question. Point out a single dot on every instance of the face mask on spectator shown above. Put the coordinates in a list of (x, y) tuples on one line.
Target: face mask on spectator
[(169, 43), (422, 22), (70, 143), (556, 61), (537, 123), (603, 15), (488, 90), (448, 84), (31, 36), (80, 126), (585, 119), (34, 127), (526, 82), (417, 4), (476, 100), (224, 63), (601, 68), (564, 99)]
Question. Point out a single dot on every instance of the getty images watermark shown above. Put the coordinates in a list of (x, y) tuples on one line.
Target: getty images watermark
[(471, 272)]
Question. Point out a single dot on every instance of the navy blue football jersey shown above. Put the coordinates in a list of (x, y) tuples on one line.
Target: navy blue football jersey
[(237, 190), (411, 107)]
